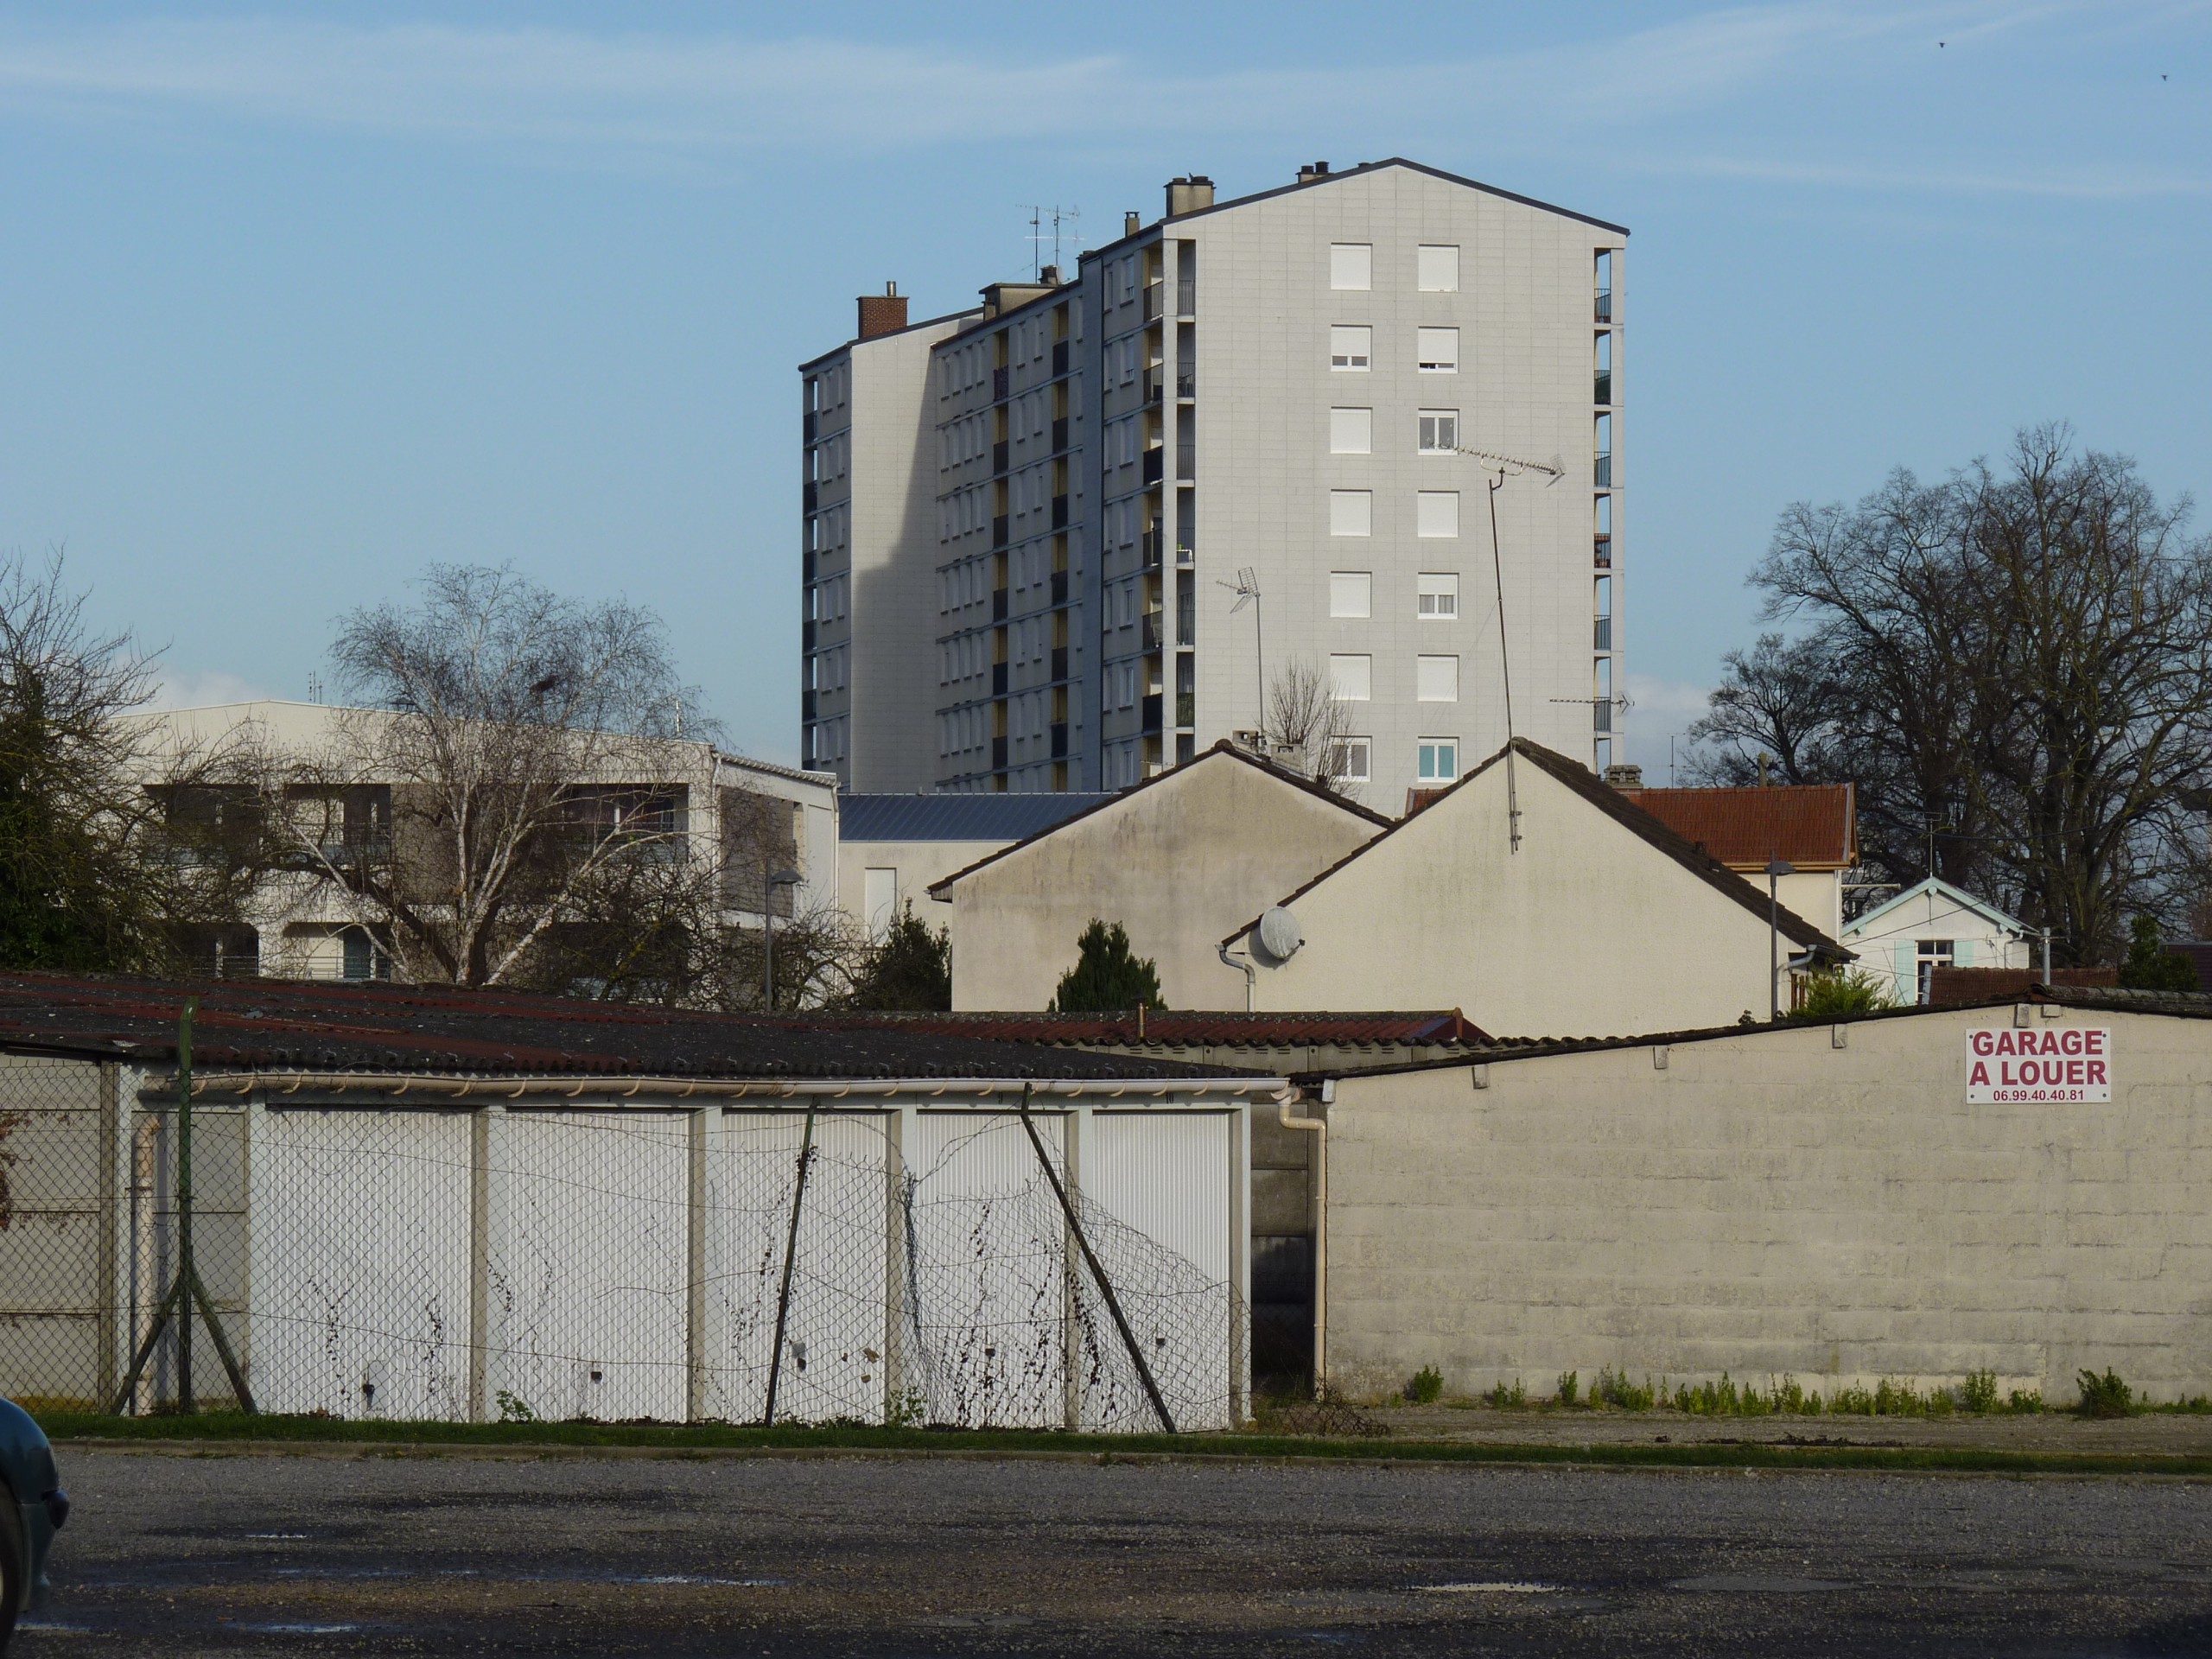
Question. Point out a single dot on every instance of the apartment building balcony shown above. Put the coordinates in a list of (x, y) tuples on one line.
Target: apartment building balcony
[(998, 530), (807, 631), (1060, 587), (1001, 384), (998, 755), (1601, 472), (1153, 386), (1187, 548), (1601, 714), (1060, 662), (810, 495), (1186, 384), (1061, 357), (806, 565), (1150, 549), (1155, 464), (1602, 552), (1059, 512), (1150, 723), (1602, 309), (1149, 631), (1060, 432), (1186, 296), (1001, 452), (1601, 390), (808, 423), (998, 679), (1059, 739), (1601, 634), (1186, 710), (1186, 458), (998, 604), (1154, 296), (806, 704)]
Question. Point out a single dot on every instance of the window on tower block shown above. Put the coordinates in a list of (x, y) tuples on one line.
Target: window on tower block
[(1354, 758), (1438, 760), (1437, 351), (1351, 264), (1351, 347), (1348, 593), (1436, 513), (1439, 593), (1437, 269), (1350, 678), (1351, 512), (1439, 431), (1436, 679), (1351, 431)]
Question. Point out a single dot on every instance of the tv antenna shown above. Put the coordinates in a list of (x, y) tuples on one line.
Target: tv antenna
[(1057, 216), (1503, 467), (1247, 588)]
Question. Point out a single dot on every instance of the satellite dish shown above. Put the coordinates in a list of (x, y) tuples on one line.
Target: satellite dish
[(1279, 934)]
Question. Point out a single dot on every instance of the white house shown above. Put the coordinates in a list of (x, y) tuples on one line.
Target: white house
[(1934, 925)]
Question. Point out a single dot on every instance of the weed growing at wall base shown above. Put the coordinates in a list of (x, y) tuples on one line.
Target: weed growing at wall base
[(1427, 1386)]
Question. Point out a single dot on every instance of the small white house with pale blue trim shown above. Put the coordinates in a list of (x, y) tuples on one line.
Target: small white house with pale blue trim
[(1934, 925)]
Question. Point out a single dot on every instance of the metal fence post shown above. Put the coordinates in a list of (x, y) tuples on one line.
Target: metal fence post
[(1076, 1126), (185, 1402), (895, 1404), (695, 1269), (480, 1264), (790, 1255)]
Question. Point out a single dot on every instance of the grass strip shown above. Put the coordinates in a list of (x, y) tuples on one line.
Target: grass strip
[(217, 1429)]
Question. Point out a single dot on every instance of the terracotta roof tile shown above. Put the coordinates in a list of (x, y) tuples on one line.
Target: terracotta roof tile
[(1812, 825)]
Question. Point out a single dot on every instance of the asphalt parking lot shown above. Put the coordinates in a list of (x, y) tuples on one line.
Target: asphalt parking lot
[(337, 1551)]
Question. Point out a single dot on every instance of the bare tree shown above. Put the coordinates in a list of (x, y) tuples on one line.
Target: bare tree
[(513, 781), (90, 877), (2014, 667), (1308, 725)]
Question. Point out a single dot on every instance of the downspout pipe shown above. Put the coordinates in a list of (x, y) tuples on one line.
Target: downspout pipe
[(1245, 965), (1319, 1128)]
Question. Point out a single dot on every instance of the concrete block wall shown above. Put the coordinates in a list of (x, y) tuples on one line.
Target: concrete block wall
[(1768, 1204)]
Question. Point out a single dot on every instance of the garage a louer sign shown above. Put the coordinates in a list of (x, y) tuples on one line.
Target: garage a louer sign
[(2064, 1064)]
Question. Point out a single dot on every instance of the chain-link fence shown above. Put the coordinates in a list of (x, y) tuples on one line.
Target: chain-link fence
[(984, 1266)]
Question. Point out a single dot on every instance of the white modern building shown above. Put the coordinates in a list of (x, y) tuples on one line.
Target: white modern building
[(1068, 538)]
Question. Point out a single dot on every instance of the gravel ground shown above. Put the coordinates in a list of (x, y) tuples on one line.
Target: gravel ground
[(2172, 1434), (340, 1553)]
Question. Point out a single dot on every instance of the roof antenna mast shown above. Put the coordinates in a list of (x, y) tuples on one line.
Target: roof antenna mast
[(1505, 467)]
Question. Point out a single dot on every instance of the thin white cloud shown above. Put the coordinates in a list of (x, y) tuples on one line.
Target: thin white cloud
[(185, 689), (1659, 711), (565, 86)]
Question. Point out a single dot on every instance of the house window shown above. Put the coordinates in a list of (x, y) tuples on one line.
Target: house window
[(1931, 954), (1350, 678), (1438, 760), (1351, 431), (1351, 512), (1351, 347), (1351, 264), (1436, 268), (1436, 513), (1348, 593), (1437, 351), (1355, 760), (1439, 431), (1436, 679), (1440, 596)]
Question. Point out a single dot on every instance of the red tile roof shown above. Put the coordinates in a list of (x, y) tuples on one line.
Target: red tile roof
[(1814, 826)]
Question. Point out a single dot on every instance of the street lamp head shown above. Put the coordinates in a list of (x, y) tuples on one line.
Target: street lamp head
[(784, 878), (1781, 866)]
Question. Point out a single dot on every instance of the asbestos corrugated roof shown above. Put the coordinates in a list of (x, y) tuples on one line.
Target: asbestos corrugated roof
[(956, 818), (1193, 1029), (319, 1026), (1811, 825)]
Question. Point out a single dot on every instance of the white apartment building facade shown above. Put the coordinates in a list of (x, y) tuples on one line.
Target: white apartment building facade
[(1237, 439)]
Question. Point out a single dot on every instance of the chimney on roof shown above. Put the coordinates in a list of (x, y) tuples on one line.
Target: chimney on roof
[(1189, 195), (1132, 222), (1311, 171), (884, 313), (1624, 776), (1050, 276)]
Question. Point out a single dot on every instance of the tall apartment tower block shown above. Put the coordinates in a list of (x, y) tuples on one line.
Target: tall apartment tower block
[(1072, 536)]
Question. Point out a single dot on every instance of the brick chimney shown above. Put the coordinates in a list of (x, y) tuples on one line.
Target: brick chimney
[(1311, 171), (884, 313)]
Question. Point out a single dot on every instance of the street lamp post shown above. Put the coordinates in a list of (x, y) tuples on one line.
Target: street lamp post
[(775, 879), (1775, 869)]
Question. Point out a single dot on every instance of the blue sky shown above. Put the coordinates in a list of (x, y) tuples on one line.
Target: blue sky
[(298, 300)]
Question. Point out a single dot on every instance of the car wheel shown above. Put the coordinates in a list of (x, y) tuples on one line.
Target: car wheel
[(15, 1586)]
